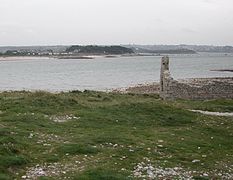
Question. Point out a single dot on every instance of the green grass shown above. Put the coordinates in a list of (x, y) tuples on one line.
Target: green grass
[(111, 134)]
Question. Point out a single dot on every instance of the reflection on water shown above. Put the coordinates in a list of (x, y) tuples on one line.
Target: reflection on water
[(104, 73)]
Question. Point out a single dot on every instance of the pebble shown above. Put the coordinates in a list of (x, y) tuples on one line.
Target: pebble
[(31, 135), (195, 161)]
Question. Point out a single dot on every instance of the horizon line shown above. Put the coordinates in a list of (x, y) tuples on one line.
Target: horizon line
[(129, 44)]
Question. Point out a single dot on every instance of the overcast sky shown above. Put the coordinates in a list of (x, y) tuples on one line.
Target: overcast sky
[(51, 22)]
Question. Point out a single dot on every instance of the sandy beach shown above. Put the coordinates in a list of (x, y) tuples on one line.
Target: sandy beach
[(19, 58)]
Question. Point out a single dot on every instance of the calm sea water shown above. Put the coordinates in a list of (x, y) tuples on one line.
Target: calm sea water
[(105, 73)]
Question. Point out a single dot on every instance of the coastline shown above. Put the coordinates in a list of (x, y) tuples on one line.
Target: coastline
[(19, 58), (222, 70), (147, 88), (78, 57)]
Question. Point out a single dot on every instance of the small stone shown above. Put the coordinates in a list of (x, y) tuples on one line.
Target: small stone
[(31, 135), (41, 172), (137, 174), (195, 161), (24, 177)]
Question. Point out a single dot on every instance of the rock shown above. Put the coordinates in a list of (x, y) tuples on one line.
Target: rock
[(30, 136), (195, 161)]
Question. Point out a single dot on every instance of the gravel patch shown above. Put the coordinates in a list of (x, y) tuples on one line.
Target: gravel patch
[(144, 170), (64, 118), (52, 170)]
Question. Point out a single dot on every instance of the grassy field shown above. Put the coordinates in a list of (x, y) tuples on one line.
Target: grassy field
[(93, 135)]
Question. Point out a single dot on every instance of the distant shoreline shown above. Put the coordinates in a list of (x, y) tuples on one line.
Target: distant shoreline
[(87, 57), (18, 58), (222, 70)]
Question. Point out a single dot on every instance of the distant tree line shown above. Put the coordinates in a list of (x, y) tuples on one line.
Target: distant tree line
[(99, 49)]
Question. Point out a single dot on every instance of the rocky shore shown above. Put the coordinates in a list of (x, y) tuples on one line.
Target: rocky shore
[(154, 88), (149, 88)]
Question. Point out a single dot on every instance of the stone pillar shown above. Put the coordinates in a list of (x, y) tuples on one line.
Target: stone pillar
[(164, 68)]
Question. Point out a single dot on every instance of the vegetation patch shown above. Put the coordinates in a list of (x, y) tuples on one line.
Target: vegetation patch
[(77, 149), (96, 135)]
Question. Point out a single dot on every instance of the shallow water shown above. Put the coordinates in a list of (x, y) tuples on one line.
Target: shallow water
[(104, 73)]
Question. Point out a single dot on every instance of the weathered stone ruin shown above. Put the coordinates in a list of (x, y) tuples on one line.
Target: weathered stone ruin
[(200, 88)]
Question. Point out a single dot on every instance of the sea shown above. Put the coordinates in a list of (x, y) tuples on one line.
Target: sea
[(105, 74)]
